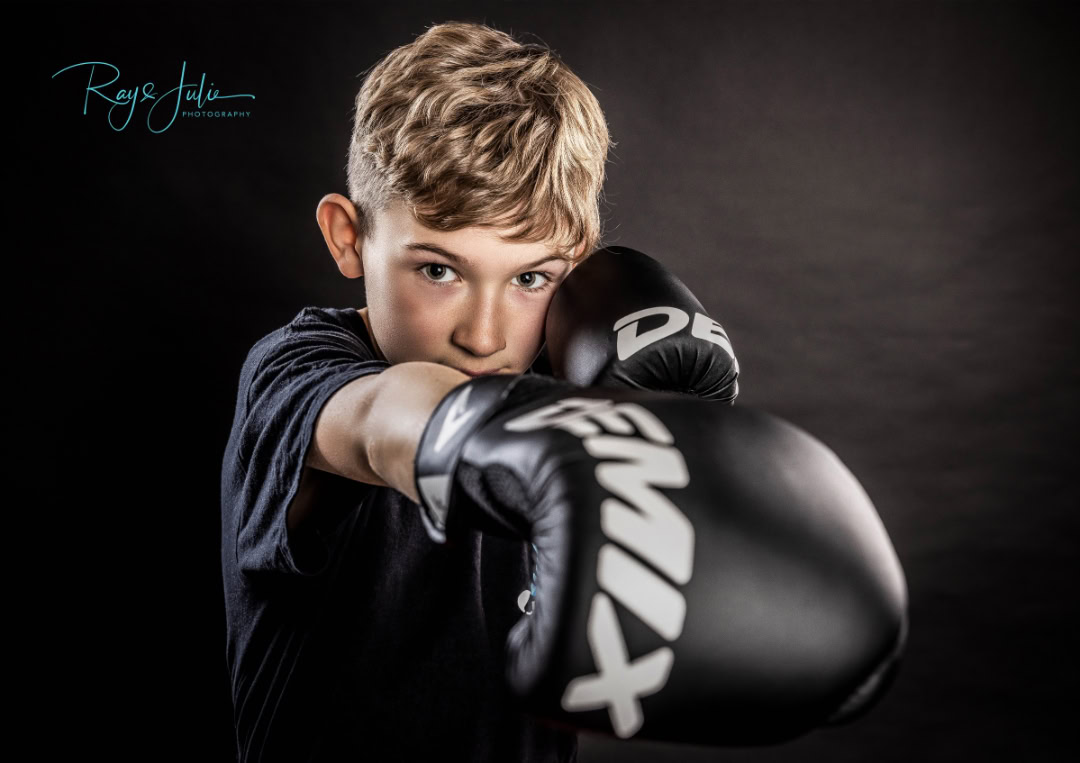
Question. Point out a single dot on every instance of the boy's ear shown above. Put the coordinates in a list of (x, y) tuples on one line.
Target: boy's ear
[(336, 217)]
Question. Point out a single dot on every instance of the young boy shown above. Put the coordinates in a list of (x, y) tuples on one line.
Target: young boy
[(475, 170), (370, 485)]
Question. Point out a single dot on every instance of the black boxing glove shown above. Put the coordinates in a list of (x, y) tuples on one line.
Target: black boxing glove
[(621, 319), (705, 574)]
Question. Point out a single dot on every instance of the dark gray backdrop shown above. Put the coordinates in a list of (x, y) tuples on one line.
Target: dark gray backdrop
[(878, 200)]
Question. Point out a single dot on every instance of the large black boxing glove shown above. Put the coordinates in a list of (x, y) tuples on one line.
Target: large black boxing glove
[(621, 319), (705, 574)]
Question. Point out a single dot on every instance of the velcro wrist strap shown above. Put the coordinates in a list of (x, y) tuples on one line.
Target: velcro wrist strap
[(465, 409)]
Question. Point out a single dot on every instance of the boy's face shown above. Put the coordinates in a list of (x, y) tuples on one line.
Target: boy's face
[(465, 299)]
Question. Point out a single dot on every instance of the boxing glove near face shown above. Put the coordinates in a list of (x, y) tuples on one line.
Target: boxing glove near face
[(705, 574), (621, 319)]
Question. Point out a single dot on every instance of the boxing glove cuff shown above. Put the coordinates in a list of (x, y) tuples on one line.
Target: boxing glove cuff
[(463, 410)]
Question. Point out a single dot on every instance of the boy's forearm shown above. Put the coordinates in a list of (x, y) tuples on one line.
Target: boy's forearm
[(405, 397)]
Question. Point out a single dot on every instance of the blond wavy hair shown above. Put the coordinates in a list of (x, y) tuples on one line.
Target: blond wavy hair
[(470, 127)]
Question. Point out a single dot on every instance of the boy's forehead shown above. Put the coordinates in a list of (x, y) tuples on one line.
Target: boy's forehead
[(406, 233)]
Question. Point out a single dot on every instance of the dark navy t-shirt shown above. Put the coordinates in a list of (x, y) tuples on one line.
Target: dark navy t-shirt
[(357, 637)]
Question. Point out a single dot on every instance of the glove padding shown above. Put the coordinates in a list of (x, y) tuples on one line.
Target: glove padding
[(705, 574), (621, 319)]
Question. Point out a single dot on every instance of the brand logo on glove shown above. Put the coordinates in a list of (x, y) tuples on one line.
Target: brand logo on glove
[(457, 417), (630, 341), (638, 456)]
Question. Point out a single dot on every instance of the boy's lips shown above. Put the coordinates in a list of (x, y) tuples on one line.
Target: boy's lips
[(478, 373)]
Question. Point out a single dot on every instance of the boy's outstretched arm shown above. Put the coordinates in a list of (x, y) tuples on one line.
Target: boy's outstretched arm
[(369, 430)]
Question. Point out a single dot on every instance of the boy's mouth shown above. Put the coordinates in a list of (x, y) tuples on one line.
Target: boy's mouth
[(478, 373)]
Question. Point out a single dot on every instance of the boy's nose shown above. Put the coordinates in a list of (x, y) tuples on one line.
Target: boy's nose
[(479, 329)]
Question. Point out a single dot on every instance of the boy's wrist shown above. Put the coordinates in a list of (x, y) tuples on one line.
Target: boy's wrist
[(407, 397)]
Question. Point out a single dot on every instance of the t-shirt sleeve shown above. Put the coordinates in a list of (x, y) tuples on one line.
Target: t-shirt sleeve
[(287, 378)]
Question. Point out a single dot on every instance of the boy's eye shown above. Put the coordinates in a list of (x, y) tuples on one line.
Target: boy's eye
[(438, 270), (533, 280), (529, 280)]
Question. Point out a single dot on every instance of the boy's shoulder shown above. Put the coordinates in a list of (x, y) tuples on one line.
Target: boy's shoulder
[(313, 320), (347, 318), (314, 325)]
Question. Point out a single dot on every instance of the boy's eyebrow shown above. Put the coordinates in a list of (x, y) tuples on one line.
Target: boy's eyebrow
[(436, 249)]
